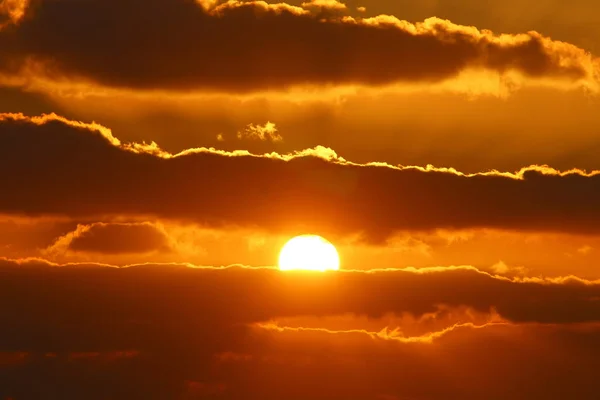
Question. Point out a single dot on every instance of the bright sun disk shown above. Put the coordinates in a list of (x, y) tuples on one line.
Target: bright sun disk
[(309, 252)]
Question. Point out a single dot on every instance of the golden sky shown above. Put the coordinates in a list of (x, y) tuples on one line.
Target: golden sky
[(156, 155)]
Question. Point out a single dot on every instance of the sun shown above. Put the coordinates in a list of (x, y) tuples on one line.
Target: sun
[(309, 252)]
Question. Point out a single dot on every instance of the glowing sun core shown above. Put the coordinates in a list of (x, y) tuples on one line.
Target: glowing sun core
[(309, 252)]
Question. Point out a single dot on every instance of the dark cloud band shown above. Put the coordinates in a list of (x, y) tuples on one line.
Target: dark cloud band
[(249, 46), (53, 166), (167, 331)]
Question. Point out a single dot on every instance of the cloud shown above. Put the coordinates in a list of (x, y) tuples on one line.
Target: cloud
[(208, 5), (270, 367), (384, 334), (314, 190), (56, 43), (159, 331), (585, 250), (22, 237), (501, 268), (12, 11), (268, 131), (325, 4), (276, 294), (493, 358), (112, 238)]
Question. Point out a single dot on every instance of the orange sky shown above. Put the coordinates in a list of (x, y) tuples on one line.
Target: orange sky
[(155, 156)]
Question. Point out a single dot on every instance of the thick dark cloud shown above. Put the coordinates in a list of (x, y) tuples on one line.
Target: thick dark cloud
[(254, 46), (521, 363), (77, 306), (495, 363), (156, 332), (51, 167)]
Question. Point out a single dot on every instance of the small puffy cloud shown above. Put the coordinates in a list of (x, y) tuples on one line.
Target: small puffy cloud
[(503, 269), (208, 5), (265, 132), (11, 11), (325, 4)]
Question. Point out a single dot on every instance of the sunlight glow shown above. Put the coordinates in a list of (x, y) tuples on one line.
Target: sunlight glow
[(308, 252)]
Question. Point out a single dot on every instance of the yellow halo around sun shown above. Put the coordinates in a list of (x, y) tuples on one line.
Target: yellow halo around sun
[(309, 252)]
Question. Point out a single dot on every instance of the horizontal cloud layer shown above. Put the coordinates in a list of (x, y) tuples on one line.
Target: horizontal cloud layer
[(54, 166), (162, 292), (168, 331), (246, 46), (272, 367)]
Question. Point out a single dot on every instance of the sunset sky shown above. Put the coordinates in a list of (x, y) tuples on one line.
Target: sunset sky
[(157, 155)]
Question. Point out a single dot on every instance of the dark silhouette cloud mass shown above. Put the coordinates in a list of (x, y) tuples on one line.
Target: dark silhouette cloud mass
[(441, 162), (81, 170), (179, 325), (247, 46)]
